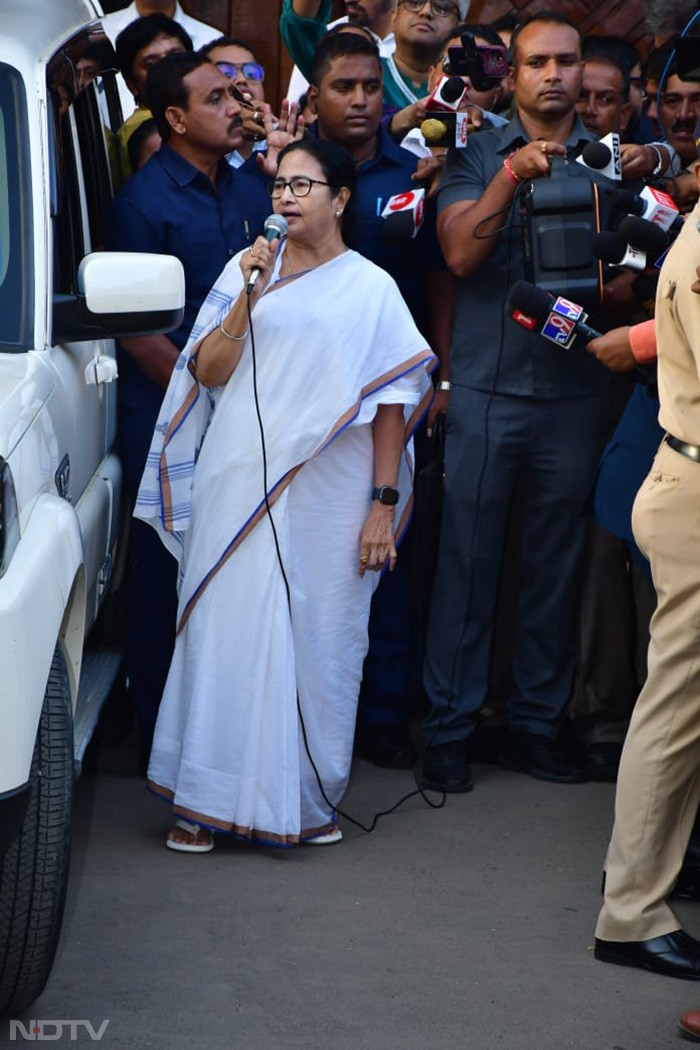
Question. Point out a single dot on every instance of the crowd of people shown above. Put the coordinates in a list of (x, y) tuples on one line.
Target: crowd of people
[(270, 442)]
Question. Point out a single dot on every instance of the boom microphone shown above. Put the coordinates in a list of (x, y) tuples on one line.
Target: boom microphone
[(275, 226), (559, 320), (603, 156), (446, 95), (652, 205)]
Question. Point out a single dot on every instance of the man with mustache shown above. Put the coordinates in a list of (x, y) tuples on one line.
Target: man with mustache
[(679, 109), (188, 202), (517, 409)]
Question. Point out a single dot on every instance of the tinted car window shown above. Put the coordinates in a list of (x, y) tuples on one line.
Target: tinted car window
[(16, 286)]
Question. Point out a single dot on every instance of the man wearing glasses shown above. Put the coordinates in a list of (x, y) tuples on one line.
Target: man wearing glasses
[(237, 62), (421, 29)]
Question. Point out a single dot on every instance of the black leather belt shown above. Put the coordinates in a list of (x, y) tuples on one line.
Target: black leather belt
[(691, 451)]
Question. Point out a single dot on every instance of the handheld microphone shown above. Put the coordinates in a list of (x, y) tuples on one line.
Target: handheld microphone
[(652, 205), (403, 215), (556, 319), (275, 226), (603, 156), (643, 235), (446, 95), (446, 128), (615, 250)]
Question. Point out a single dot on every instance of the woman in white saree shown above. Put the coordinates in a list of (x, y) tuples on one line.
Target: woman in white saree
[(342, 379)]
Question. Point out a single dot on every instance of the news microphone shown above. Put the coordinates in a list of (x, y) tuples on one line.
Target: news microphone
[(651, 204), (275, 226), (446, 128), (613, 249), (643, 235), (559, 320), (603, 156), (403, 215), (446, 95)]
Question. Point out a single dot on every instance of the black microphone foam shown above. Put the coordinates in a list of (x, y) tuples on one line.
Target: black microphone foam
[(452, 89), (643, 235), (596, 155), (531, 300), (608, 247), (629, 202)]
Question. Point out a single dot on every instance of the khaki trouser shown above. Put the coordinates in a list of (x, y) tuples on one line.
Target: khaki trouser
[(658, 788)]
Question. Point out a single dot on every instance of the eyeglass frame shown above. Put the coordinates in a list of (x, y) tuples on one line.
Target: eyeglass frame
[(240, 67), (409, 4), (274, 184)]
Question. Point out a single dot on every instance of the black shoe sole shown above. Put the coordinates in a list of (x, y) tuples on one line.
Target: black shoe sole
[(453, 787), (688, 1033), (610, 956), (520, 767)]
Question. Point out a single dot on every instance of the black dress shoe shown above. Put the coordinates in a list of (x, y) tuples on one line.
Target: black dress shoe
[(388, 745), (540, 756), (602, 762), (674, 955), (445, 768)]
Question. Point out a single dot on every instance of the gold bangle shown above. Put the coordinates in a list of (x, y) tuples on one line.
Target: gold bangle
[(233, 338)]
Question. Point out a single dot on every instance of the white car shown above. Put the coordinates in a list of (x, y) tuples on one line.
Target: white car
[(62, 300)]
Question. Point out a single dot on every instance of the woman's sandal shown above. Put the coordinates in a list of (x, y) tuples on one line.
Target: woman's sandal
[(329, 839), (195, 846)]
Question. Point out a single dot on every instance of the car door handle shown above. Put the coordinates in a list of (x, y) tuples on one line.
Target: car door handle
[(102, 369)]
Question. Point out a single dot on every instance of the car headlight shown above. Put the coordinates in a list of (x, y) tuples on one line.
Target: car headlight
[(9, 516)]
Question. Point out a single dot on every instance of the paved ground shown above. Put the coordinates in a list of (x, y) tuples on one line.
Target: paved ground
[(466, 928)]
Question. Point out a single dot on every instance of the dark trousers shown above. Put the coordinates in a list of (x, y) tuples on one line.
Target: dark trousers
[(152, 603), (492, 441)]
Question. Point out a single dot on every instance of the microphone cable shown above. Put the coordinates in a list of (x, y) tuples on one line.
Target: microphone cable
[(368, 829)]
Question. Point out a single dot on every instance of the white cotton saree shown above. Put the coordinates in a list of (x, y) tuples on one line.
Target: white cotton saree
[(330, 347)]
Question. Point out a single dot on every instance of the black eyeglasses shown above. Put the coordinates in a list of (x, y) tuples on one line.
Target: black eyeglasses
[(440, 8), (250, 70), (300, 186)]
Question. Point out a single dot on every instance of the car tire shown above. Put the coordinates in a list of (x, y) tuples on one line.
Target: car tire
[(34, 870)]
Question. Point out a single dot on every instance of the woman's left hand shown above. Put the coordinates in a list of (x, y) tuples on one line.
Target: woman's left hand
[(377, 539)]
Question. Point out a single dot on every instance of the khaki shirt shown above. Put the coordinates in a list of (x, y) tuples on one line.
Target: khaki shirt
[(678, 335)]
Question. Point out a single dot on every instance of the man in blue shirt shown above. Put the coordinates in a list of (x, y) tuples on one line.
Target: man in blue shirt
[(519, 408), (188, 202)]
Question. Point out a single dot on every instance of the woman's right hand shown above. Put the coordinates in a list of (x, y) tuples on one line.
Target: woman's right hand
[(262, 257)]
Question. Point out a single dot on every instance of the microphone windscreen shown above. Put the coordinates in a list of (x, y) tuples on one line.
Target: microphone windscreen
[(629, 202), (608, 247), (452, 89), (643, 235), (433, 130), (275, 226), (530, 300), (596, 155)]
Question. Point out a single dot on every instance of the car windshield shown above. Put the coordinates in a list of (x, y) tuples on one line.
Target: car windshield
[(16, 287)]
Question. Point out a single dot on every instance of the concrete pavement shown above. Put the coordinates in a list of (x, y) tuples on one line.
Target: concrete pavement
[(466, 928)]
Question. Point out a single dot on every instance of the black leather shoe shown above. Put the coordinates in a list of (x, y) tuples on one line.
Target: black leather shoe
[(675, 955), (389, 746), (602, 762), (540, 756), (445, 768)]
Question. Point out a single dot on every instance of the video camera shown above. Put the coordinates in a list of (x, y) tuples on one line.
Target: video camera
[(485, 65)]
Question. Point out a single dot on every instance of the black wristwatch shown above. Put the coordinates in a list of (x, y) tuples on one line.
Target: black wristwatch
[(387, 495)]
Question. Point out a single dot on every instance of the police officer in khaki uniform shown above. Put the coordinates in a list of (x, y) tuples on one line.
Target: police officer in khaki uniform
[(658, 789)]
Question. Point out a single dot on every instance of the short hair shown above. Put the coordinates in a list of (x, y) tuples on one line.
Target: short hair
[(542, 16), (137, 140), (165, 85), (486, 32), (605, 49), (225, 41), (337, 45), (656, 62), (338, 167), (510, 22), (142, 32)]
